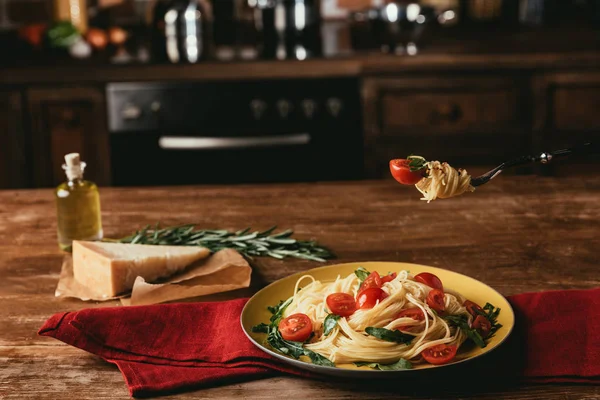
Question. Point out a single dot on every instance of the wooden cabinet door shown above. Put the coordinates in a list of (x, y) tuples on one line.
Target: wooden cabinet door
[(13, 160), (567, 113), (66, 120), (467, 121)]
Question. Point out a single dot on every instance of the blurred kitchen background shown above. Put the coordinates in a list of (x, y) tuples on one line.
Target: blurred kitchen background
[(166, 92)]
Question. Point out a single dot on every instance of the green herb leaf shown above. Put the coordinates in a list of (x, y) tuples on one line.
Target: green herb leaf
[(278, 310), (278, 343), (362, 274), (397, 366), (261, 328), (318, 359), (416, 163), (389, 336), (461, 321), (294, 349), (280, 245), (329, 323), (491, 313)]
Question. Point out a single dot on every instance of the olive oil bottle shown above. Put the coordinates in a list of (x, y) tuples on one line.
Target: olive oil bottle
[(77, 205)]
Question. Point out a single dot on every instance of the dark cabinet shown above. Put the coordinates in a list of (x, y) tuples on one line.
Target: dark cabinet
[(65, 120), (13, 155), (566, 114), (462, 120)]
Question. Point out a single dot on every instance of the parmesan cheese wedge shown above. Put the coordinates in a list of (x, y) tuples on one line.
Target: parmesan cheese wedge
[(111, 268)]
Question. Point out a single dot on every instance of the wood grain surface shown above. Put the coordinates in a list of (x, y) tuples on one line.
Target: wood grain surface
[(361, 64), (517, 234)]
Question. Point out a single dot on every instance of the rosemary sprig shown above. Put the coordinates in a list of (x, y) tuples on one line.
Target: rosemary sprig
[(265, 243)]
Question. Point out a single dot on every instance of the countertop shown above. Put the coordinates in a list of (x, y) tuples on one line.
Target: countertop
[(517, 234)]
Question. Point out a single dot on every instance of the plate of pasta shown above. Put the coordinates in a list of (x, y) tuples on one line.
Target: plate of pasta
[(376, 318)]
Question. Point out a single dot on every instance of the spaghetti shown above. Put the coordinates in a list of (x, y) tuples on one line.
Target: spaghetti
[(443, 181)]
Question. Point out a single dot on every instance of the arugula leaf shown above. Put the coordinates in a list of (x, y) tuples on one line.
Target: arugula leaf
[(278, 311), (294, 349), (362, 274), (491, 313), (329, 323), (398, 365), (389, 336), (461, 321), (261, 328), (318, 359), (416, 163), (287, 347)]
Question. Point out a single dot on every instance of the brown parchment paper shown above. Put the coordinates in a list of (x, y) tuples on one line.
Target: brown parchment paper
[(223, 271)]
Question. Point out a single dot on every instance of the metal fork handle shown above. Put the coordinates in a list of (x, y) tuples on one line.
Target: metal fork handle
[(586, 148), (544, 158)]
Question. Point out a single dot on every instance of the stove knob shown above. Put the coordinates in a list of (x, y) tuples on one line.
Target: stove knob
[(309, 107), (284, 107), (334, 106), (258, 108), (131, 112), (155, 106)]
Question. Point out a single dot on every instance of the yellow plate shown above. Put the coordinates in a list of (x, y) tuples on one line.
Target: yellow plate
[(256, 312)]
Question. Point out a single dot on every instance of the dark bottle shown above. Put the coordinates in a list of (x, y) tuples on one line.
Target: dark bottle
[(302, 29), (224, 32), (188, 31), (157, 31), (267, 34)]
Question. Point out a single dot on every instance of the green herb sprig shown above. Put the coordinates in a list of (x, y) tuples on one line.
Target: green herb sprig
[(265, 243), (287, 347)]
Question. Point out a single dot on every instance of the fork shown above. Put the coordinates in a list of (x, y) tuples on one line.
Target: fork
[(544, 158)]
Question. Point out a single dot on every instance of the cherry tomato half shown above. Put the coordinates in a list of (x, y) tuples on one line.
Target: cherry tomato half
[(388, 278), (472, 308), (341, 304), (430, 280), (296, 327), (414, 313), (401, 172), (439, 354), (372, 281), (368, 298), (435, 300), (483, 325)]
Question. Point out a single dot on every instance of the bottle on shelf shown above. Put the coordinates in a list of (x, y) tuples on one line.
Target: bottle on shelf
[(188, 30), (73, 11), (77, 205)]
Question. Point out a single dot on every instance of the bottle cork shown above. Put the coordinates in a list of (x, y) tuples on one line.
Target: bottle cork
[(72, 159), (73, 166)]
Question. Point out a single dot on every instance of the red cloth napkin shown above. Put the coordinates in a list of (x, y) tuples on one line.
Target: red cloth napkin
[(172, 347), (560, 334)]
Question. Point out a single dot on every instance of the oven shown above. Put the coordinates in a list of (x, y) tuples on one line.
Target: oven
[(235, 132)]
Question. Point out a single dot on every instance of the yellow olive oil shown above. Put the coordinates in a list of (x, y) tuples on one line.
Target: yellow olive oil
[(77, 205)]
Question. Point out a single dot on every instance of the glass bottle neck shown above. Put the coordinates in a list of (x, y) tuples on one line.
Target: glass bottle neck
[(75, 182)]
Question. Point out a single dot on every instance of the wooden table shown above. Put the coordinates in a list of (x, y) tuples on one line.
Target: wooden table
[(516, 234)]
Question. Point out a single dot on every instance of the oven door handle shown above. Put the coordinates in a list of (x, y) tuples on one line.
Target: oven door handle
[(216, 143)]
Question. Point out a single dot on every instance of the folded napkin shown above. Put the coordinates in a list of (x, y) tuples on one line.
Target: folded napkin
[(173, 347), (560, 335)]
